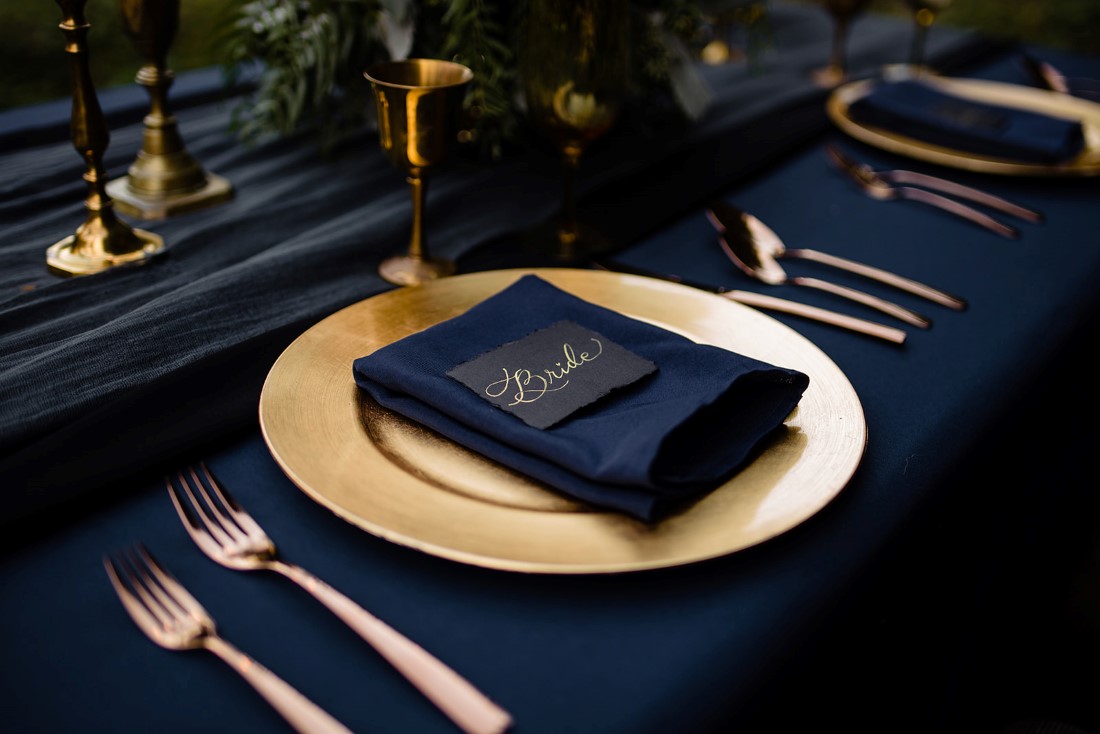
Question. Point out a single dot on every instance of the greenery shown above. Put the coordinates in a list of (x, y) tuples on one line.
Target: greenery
[(34, 67), (311, 53)]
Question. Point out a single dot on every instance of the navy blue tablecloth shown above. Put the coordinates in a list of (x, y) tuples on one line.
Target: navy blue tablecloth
[(690, 649)]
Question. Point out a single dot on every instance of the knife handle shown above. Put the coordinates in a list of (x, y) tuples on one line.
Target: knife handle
[(851, 323), (902, 313), (882, 276)]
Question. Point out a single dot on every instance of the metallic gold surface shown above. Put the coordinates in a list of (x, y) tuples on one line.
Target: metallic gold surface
[(418, 101), (165, 179), (103, 241), (402, 482), (1043, 101)]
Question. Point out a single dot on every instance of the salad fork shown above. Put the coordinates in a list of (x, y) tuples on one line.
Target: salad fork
[(175, 620), (231, 537)]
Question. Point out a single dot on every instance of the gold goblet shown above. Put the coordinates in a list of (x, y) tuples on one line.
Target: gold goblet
[(418, 102), (574, 66), (843, 12)]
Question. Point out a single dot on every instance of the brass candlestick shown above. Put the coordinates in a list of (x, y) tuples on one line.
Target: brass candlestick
[(164, 179), (103, 241)]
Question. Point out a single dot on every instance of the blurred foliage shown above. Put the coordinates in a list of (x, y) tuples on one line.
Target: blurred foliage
[(1070, 25), (34, 68), (311, 55)]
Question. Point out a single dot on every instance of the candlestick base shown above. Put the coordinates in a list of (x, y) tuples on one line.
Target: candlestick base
[(215, 190), (79, 255)]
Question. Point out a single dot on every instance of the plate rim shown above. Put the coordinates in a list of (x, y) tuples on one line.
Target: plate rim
[(1086, 164), (401, 537)]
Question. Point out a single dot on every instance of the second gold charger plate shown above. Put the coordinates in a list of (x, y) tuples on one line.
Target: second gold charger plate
[(405, 483), (1086, 163)]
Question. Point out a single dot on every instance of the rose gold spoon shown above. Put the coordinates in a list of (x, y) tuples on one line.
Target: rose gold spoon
[(755, 249)]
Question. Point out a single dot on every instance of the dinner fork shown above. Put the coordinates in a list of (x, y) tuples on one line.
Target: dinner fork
[(175, 620), (231, 537)]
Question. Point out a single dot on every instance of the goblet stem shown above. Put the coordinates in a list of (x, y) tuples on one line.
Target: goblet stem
[(568, 229), (922, 21), (837, 60), (418, 249)]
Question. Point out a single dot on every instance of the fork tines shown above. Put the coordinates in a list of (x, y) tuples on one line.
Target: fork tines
[(208, 506), (152, 597)]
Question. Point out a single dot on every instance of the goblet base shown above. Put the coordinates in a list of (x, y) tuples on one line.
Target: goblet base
[(828, 77), (407, 270), (550, 243), (901, 72)]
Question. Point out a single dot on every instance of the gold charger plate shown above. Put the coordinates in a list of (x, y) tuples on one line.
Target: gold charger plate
[(402, 482), (1087, 163)]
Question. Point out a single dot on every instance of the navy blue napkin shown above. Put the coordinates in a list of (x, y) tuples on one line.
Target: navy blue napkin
[(679, 431), (918, 110)]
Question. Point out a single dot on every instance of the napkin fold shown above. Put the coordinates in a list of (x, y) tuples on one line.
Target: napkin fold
[(919, 110), (679, 431)]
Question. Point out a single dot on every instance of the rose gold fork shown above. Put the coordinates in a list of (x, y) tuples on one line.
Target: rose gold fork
[(229, 536), (173, 619)]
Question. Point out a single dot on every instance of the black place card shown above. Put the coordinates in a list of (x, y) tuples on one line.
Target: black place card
[(550, 374)]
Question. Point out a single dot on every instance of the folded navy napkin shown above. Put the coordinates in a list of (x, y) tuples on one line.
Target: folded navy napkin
[(680, 419), (918, 110)]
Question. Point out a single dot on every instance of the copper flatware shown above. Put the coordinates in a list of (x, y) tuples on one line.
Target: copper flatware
[(754, 248), (891, 185), (901, 176), (231, 537), (771, 303), (175, 620), (774, 247), (1050, 77)]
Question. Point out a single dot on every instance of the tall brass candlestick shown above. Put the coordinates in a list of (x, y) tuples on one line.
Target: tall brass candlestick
[(103, 241), (164, 179)]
